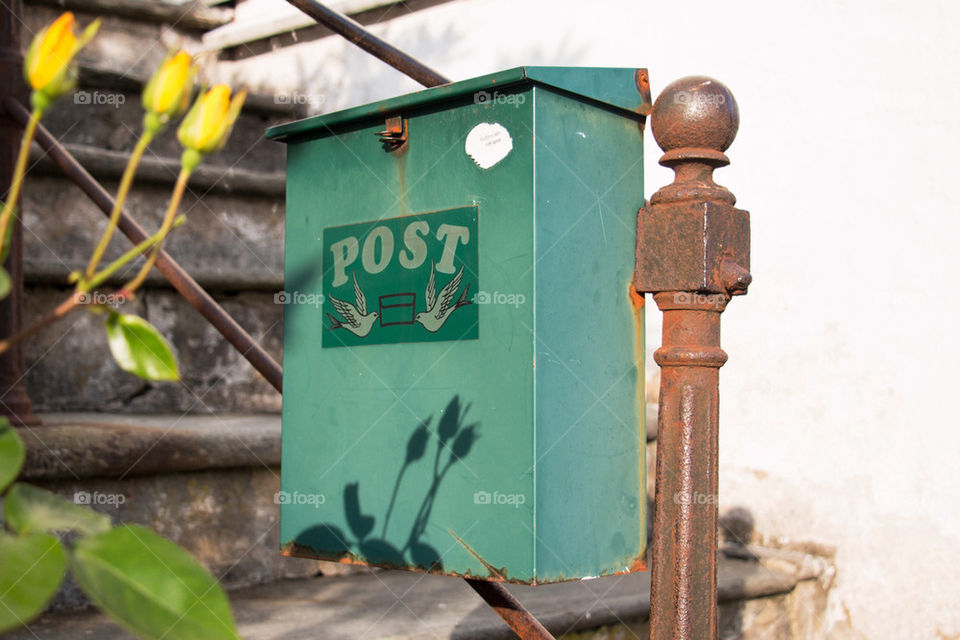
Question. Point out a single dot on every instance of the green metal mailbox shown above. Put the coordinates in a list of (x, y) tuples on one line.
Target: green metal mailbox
[(463, 383)]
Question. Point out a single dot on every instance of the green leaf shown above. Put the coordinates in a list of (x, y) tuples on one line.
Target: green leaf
[(151, 586), (5, 283), (140, 349), (31, 570), (28, 509), (12, 453)]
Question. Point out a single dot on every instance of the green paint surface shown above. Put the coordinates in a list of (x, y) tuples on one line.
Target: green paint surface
[(511, 446)]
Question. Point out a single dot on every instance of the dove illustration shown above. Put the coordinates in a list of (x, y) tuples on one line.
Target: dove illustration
[(439, 307), (356, 320)]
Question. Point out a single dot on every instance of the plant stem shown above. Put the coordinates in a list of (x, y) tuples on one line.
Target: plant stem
[(71, 303), (18, 172), (125, 182), (61, 310), (175, 198), (101, 277)]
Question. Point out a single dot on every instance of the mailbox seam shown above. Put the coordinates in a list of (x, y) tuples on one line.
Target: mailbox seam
[(536, 421)]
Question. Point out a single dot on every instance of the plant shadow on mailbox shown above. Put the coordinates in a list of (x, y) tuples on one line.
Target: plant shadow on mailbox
[(453, 441)]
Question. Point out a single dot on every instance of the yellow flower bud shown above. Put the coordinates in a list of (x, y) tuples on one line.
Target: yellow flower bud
[(168, 91), (207, 126), (51, 51), (48, 66)]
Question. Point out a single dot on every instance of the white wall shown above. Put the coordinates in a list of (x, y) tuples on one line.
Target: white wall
[(838, 420)]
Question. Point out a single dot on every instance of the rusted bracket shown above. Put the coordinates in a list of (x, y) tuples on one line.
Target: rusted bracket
[(693, 254), (394, 135)]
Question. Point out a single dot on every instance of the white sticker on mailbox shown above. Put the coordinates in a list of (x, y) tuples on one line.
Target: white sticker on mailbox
[(488, 143)]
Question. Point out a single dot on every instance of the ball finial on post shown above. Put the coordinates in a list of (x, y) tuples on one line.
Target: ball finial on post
[(695, 119)]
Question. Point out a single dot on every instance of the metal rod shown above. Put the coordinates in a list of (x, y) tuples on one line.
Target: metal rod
[(693, 254), (523, 623), (355, 33), (16, 403), (171, 270)]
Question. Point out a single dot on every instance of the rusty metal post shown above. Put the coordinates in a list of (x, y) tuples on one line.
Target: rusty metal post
[(14, 402), (693, 254)]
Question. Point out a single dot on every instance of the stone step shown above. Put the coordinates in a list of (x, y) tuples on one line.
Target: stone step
[(106, 112), (757, 601), (206, 482), (69, 368), (209, 483), (232, 245), (78, 445), (232, 240), (105, 164), (84, 445), (264, 104)]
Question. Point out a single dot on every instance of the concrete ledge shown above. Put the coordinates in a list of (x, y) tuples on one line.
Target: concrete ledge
[(54, 273), (391, 604), (70, 446)]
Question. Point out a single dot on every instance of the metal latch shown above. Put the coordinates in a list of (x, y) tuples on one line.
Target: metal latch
[(394, 137)]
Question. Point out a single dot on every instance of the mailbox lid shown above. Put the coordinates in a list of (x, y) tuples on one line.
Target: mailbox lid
[(612, 87)]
